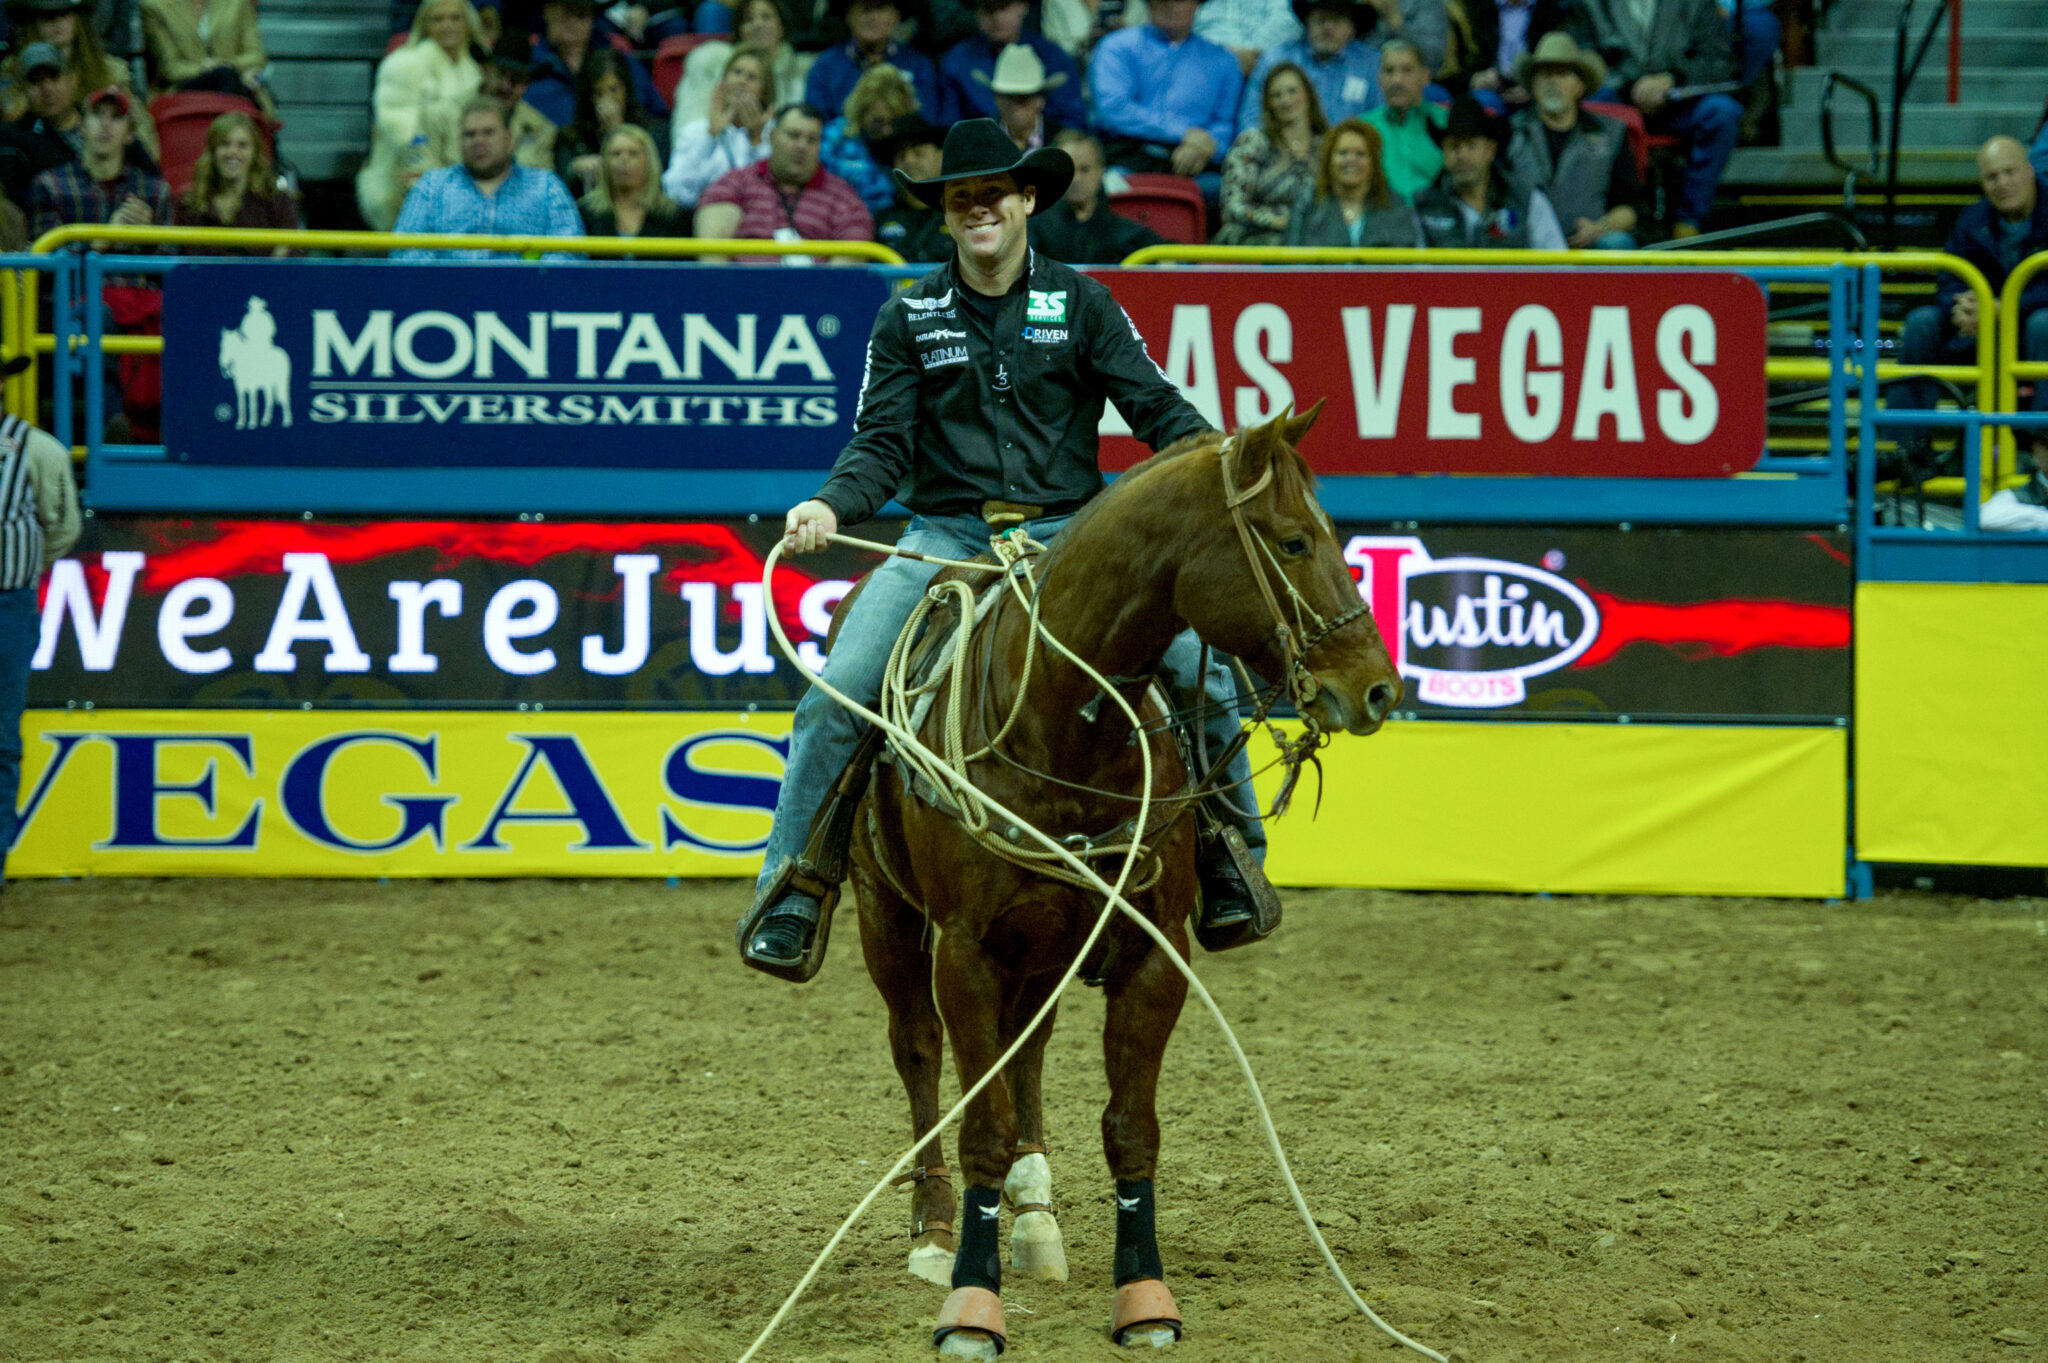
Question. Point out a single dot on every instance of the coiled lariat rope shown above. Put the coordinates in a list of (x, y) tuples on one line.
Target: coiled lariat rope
[(1077, 872)]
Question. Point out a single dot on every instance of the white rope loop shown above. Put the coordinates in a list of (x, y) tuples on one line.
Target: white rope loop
[(1114, 902)]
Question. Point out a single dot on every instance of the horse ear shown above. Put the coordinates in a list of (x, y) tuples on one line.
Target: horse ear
[(1251, 453), (1298, 426)]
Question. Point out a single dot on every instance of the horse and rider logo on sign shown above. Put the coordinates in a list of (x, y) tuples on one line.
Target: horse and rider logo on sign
[(260, 367)]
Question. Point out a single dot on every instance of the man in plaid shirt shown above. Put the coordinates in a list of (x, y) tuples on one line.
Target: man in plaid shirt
[(102, 185), (489, 194)]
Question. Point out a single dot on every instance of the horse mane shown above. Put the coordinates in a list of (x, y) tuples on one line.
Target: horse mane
[(1291, 469)]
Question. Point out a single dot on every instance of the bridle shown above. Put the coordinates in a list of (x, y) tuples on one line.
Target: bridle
[(1302, 686)]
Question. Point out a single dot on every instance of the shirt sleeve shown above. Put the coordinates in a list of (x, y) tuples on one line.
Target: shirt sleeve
[(1248, 112), (1155, 409), (1228, 79), (49, 472), (1545, 233), (1709, 56), (562, 218), (1063, 103), (43, 213), (417, 214), (876, 461), (1118, 110)]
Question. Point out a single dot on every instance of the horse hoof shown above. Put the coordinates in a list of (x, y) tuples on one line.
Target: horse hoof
[(970, 1324), (1145, 1314), (931, 1260), (1036, 1249)]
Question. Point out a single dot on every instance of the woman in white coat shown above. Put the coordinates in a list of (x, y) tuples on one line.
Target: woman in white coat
[(421, 88), (756, 23), (734, 135)]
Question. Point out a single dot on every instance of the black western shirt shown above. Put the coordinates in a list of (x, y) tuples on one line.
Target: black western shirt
[(968, 399)]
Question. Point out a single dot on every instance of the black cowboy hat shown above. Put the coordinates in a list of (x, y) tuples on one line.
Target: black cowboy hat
[(1354, 10), (1469, 118), (911, 130), (979, 146)]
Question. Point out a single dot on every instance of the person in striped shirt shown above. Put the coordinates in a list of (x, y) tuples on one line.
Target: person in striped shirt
[(788, 197), (38, 526)]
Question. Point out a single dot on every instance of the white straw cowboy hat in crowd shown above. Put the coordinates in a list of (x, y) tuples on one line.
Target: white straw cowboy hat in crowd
[(1020, 72), (1558, 49)]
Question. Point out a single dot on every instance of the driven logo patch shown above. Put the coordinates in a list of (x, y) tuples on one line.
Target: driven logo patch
[(1046, 335)]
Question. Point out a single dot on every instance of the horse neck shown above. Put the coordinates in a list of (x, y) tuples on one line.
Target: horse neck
[(1107, 590)]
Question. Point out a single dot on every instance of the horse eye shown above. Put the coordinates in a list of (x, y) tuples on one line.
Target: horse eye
[(1295, 546)]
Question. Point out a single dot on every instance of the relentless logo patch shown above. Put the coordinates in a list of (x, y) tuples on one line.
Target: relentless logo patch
[(1046, 335), (944, 300), (1046, 306), (939, 359)]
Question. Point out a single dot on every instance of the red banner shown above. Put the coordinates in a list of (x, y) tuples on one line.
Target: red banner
[(1594, 373)]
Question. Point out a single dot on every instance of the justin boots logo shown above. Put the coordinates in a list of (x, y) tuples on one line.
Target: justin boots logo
[(1470, 631)]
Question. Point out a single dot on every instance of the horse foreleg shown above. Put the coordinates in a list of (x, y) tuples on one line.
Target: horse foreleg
[(1036, 1249), (1142, 1009), (891, 940), (970, 991)]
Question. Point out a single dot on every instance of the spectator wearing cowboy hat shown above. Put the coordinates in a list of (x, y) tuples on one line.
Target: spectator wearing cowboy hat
[(872, 26), (506, 76), (1653, 48), (1579, 159), (1344, 71), (1472, 204), (66, 26), (907, 227), (1166, 99), (1020, 85), (1248, 27), (985, 383), (1081, 229), (968, 72)]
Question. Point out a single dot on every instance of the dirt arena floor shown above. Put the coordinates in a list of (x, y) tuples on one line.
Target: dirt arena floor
[(558, 1123)]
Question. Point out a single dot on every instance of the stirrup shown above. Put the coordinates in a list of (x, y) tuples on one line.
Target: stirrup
[(1265, 899), (794, 875)]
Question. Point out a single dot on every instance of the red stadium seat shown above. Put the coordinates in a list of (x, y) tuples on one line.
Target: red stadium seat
[(398, 40), (182, 118), (670, 56), (1638, 135), (1170, 205)]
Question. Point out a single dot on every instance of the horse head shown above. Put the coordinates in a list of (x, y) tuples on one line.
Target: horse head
[(1270, 583)]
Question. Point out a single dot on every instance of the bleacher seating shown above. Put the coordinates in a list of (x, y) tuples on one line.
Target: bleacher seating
[(182, 118), (1170, 205)]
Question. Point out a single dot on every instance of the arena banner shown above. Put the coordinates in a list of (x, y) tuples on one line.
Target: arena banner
[(1492, 622), (364, 364), (1693, 809), (1598, 373)]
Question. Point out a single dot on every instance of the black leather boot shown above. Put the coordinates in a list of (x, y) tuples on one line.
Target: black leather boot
[(778, 943), (1239, 904)]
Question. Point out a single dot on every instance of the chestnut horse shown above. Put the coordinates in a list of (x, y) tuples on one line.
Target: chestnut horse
[(955, 936)]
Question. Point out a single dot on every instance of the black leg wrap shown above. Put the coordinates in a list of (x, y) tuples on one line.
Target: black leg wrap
[(979, 1261), (1137, 1244)]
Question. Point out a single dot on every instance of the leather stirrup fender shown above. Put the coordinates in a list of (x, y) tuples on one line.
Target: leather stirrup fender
[(972, 1308), (831, 832)]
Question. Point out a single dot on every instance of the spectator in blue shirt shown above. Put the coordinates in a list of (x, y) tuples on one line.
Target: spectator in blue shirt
[(489, 194), (1247, 27), (570, 29), (1344, 71), (1165, 100), (966, 71), (872, 24)]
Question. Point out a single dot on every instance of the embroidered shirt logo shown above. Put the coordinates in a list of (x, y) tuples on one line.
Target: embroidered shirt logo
[(942, 335), (1047, 306), (1002, 383), (1045, 335), (938, 359), (944, 300)]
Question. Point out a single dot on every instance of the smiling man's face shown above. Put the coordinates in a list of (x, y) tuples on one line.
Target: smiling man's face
[(987, 217)]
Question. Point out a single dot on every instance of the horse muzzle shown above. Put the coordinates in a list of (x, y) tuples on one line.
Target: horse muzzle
[(1337, 707)]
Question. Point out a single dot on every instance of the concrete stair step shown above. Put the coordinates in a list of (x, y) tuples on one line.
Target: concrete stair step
[(1982, 47), (1998, 85), (297, 82), (333, 37), (1884, 14), (1918, 166), (1924, 125)]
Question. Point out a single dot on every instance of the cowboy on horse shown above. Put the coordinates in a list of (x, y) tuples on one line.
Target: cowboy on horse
[(979, 408)]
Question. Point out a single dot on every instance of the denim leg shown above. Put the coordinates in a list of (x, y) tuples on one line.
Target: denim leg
[(1616, 241), (1761, 33), (1709, 126), (2034, 346), (1921, 342), (1183, 664), (20, 623), (825, 734)]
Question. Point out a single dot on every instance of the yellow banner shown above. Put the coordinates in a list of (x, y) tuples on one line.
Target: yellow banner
[(1564, 807), (1951, 734)]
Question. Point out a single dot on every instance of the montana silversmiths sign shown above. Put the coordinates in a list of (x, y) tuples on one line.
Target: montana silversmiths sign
[(369, 363)]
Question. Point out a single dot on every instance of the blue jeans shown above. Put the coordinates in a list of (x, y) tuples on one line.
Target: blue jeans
[(1709, 126), (1931, 338), (825, 734), (20, 626), (1760, 33), (1616, 241)]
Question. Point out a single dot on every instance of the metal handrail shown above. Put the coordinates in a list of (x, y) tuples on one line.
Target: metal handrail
[(1827, 134), (1903, 72), (1728, 236)]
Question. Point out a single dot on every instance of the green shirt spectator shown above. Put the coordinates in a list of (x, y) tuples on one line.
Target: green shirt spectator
[(1412, 159)]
